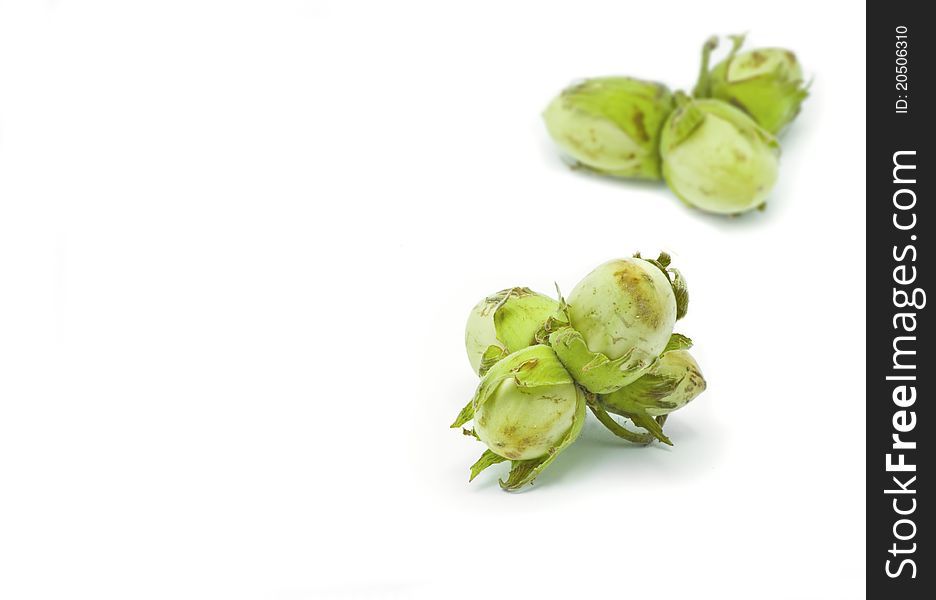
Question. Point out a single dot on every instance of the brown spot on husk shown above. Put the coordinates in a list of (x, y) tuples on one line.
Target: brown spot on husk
[(641, 127), (756, 59), (634, 285)]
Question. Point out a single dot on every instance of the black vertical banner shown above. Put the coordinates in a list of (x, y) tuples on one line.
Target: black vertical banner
[(901, 372)]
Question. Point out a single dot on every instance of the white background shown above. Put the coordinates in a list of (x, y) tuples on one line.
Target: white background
[(238, 242)]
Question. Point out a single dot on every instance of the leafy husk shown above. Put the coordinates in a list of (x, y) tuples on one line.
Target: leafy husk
[(511, 322), (633, 109), (675, 380), (523, 472), (676, 279), (531, 367), (487, 459), (593, 370), (684, 120), (677, 341), (773, 98)]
